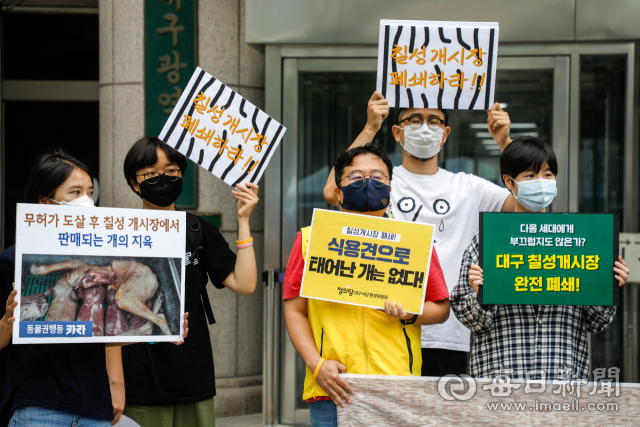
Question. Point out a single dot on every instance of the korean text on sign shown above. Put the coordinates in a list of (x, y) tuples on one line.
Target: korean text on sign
[(431, 64), (221, 131), (362, 260)]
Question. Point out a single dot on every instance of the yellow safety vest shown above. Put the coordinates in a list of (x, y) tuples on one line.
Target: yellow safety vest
[(364, 340)]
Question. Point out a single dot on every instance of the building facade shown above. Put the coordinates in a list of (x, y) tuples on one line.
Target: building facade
[(100, 74)]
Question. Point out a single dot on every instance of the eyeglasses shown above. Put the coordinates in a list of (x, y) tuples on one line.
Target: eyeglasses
[(153, 177), (416, 122), (357, 180)]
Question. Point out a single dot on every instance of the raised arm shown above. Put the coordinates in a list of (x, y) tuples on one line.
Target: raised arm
[(499, 125), (244, 277), (377, 111)]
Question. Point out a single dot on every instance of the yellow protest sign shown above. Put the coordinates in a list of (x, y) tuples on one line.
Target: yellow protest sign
[(364, 260)]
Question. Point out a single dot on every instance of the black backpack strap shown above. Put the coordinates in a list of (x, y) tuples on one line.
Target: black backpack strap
[(195, 234)]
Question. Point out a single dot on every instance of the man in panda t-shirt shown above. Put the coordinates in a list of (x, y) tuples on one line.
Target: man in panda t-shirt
[(423, 192)]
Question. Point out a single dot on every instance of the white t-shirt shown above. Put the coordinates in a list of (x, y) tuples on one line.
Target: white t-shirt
[(451, 202)]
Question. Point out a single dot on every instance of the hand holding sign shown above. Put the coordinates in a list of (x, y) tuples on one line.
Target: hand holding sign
[(377, 111), (475, 277), (622, 270), (499, 124), (247, 199)]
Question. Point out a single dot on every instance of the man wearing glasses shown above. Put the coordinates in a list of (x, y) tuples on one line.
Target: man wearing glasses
[(423, 192), (333, 338)]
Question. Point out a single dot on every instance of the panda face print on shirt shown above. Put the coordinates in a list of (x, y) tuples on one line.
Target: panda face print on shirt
[(440, 207)]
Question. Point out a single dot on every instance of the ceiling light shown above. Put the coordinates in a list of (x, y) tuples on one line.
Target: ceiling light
[(478, 126), (533, 134)]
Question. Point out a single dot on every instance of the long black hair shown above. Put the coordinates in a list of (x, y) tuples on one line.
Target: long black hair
[(50, 170)]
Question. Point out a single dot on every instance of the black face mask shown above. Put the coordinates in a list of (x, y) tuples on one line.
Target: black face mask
[(163, 193), (366, 198)]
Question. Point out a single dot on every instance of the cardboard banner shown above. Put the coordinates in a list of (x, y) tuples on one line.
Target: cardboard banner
[(98, 275), (453, 400), (551, 259), (221, 131), (364, 260), (437, 64)]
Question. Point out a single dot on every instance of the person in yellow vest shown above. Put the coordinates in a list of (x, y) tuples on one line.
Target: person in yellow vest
[(335, 338)]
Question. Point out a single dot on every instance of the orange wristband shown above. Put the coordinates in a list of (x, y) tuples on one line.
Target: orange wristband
[(244, 242), (317, 371)]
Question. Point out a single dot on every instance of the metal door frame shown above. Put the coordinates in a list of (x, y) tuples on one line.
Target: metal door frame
[(284, 62)]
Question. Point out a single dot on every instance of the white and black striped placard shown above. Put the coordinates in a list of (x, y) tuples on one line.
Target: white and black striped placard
[(436, 64), (221, 131)]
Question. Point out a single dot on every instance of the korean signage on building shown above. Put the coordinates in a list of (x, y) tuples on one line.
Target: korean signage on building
[(364, 260), (435, 64), (532, 258), (98, 274), (170, 32)]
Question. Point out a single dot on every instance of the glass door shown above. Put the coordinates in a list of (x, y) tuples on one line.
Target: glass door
[(324, 109)]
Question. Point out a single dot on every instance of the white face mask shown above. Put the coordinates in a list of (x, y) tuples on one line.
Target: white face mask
[(422, 142), (84, 201)]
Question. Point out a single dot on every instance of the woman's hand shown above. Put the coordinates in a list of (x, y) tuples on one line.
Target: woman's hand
[(186, 330), (6, 324), (247, 199), (475, 277), (622, 270), (8, 318)]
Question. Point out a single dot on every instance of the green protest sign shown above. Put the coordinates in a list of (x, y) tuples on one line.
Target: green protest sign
[(550, 259), (170, 44)]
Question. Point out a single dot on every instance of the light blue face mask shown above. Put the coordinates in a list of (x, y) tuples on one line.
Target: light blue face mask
[(536, 194)]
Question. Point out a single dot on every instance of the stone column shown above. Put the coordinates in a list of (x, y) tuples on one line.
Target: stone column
[(122, 119), (237, 335)]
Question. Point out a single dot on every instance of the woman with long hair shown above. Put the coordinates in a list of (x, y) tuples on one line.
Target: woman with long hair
[(55, 384)]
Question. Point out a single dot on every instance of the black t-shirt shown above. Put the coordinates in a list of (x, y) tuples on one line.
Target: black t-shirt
[(167, 374), (71, 378)]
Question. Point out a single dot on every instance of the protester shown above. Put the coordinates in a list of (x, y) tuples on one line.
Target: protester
[(425, 193), (527, 338), (168, 385), (55, 384), (334, 338)]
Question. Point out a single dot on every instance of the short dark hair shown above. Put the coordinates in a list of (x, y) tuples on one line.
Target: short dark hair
[(145, 153), (526, 153), (50, 170), (346, 159), (401, 112)]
